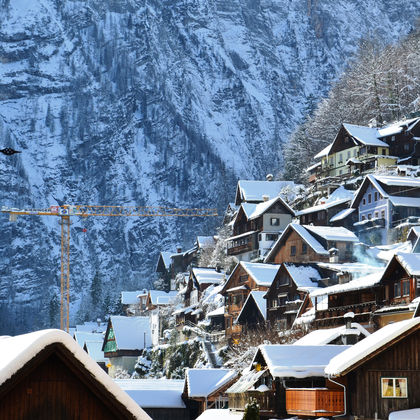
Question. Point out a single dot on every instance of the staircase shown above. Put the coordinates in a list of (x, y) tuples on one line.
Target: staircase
[(208, 347)]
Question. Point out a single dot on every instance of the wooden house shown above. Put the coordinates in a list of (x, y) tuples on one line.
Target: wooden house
[(387, 201), (206, 389), (160, 398), (287, 296), (245, 277), (380, 374), (279, 372), (124, 341), (199, 280), (46, 375), (257, 226), (304, 244)]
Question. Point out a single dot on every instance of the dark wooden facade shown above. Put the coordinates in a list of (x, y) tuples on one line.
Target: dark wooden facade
[(235, 299), (399, 360), (55, 385), (321, 215)]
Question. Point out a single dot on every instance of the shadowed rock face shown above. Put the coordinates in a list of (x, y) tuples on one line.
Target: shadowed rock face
[(150, 102)]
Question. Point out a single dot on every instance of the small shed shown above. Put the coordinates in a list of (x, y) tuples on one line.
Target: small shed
[(160, 398), (47, 375), (206, 388), (380, 374)]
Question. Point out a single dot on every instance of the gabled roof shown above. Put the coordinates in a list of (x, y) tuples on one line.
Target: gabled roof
[(156, 294), (16, 352), (205, 275), (332, 233), (365, 135), (251, 190), (94, 350), (131, 332), (262, 274), (328, 335), (320, 207), (205, 242), (253, 211), (305, 276), (303, 233), (410, 262), (131, 298), (82, 336), (200, 383), (397, 127), (370, 346), (260, 303), (292, 361), (154, 393), (323, 152)]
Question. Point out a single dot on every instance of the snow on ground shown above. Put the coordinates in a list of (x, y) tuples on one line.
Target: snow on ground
[(220, 414), (413, 414)]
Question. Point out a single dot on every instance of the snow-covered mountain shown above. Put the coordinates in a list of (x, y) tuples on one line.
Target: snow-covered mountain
[(146, 102)]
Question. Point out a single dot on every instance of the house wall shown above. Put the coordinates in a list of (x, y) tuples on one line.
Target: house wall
[(400, 360), (285, 219), (375, 206), (284, 252), (53, 390)]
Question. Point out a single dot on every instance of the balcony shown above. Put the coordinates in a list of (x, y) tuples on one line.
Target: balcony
[(239, 249), (266, 401), (315, 402)]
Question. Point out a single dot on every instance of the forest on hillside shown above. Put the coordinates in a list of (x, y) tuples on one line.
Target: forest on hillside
[(381, 85)]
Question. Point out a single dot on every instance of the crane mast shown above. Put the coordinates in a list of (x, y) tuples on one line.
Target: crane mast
[(65, 212)]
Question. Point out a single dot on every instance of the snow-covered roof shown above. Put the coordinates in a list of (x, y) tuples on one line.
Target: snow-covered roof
[(262, 274), (204, 382), (365, 135), (82, 336), (298, 361), (410, 262), (325, 206), (242, 235), (304, 276), (131, 298), (217, 312), (398, 181), (93, 327), (245, 382), (304, 234), (166, 258), (94, 350), (332, 233), (263, 207), (206, 241), (356, 269), (251, 190), (323, 152), (259, 300), (342, 215), (208, 275), (220, 414), (131, 332), (396, 127), (349, 359), (413, 414), (404, 201), (154, 393), (327, 335), (17, 351), (387, 252), (155, 294), (364, 282)]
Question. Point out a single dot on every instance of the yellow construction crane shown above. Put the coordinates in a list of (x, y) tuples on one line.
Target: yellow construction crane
[(65, 212)]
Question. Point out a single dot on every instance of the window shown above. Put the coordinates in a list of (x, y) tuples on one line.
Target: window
[(364, 201), (383, 214), (397, 289), (293, 250), (393, 138), (354, 152), (341, 158), (369, 216), (304, 248), (243, 278), (376, 214), (369, 198), (363, 218), (282, 300), (406, 147), (349, 246), (348, 154), (394, 388), (275, 221), (376, 196), (274, 303), (271, 236), (406, 287), (384, 152)]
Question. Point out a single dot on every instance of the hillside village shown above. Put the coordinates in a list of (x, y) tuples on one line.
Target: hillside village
[(304, 303)]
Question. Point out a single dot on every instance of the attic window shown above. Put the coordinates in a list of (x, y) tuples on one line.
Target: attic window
[(275, 221), (304, 248), (293, 250)]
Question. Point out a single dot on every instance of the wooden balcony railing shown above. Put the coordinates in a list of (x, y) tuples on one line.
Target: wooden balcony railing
[(319, 402), (266, 400), (240, 249)]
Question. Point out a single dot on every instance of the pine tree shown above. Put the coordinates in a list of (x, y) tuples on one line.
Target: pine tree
[(252, 410), (96, 291)]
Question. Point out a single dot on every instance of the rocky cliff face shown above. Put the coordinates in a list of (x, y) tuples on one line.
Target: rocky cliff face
[(147, 102)]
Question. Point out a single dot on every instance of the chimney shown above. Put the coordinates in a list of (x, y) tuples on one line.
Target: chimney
[(269, 177), (178, 249), (348, 318), (333, 255), (265, 197)]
